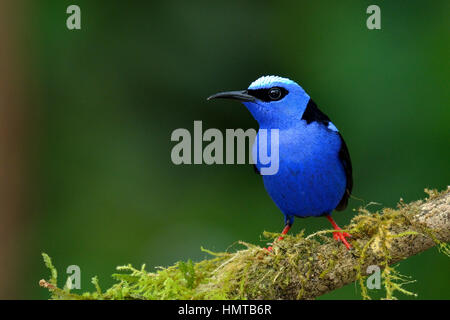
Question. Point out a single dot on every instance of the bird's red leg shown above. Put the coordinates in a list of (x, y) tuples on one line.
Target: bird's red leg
[(285, 230), (339, 236)]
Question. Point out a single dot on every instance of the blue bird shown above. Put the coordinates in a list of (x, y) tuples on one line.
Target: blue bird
[(315, 171)]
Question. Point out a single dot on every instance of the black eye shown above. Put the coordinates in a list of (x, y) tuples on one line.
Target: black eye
[(268, 95), (275, 93)]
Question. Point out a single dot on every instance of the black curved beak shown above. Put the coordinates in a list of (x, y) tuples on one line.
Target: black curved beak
[(235, 95)]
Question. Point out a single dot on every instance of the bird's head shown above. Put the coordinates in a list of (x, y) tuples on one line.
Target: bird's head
[(273, 101)]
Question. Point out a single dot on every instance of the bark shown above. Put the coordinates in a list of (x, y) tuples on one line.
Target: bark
[(424, 224), (298, 267)]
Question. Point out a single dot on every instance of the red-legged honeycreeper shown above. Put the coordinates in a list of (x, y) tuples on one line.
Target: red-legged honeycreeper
[(315, 171)]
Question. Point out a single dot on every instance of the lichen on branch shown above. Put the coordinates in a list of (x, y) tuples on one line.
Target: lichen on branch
[(299, 267)]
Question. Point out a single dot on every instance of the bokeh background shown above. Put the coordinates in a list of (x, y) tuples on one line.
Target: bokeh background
[(86, 119)]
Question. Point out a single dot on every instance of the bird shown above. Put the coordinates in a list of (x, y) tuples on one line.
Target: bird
[(315, 170)]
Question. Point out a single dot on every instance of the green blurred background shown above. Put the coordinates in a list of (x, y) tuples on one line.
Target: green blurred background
[(101, 103)]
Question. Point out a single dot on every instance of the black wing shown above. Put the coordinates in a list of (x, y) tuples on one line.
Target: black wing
[(344, 156), (313, 114)]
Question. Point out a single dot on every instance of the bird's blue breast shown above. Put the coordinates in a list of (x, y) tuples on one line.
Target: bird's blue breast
[(311, 180)]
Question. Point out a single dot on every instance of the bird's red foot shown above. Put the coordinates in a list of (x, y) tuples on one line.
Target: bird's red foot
[(339, 235), (285, 230)]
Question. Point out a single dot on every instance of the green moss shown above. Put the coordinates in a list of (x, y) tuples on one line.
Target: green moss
[(252, 272)]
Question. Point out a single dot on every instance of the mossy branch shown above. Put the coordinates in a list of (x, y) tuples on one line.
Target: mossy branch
[(299, 267)]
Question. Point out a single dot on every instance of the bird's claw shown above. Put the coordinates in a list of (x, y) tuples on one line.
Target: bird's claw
[(341, 236), (337, 235)]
